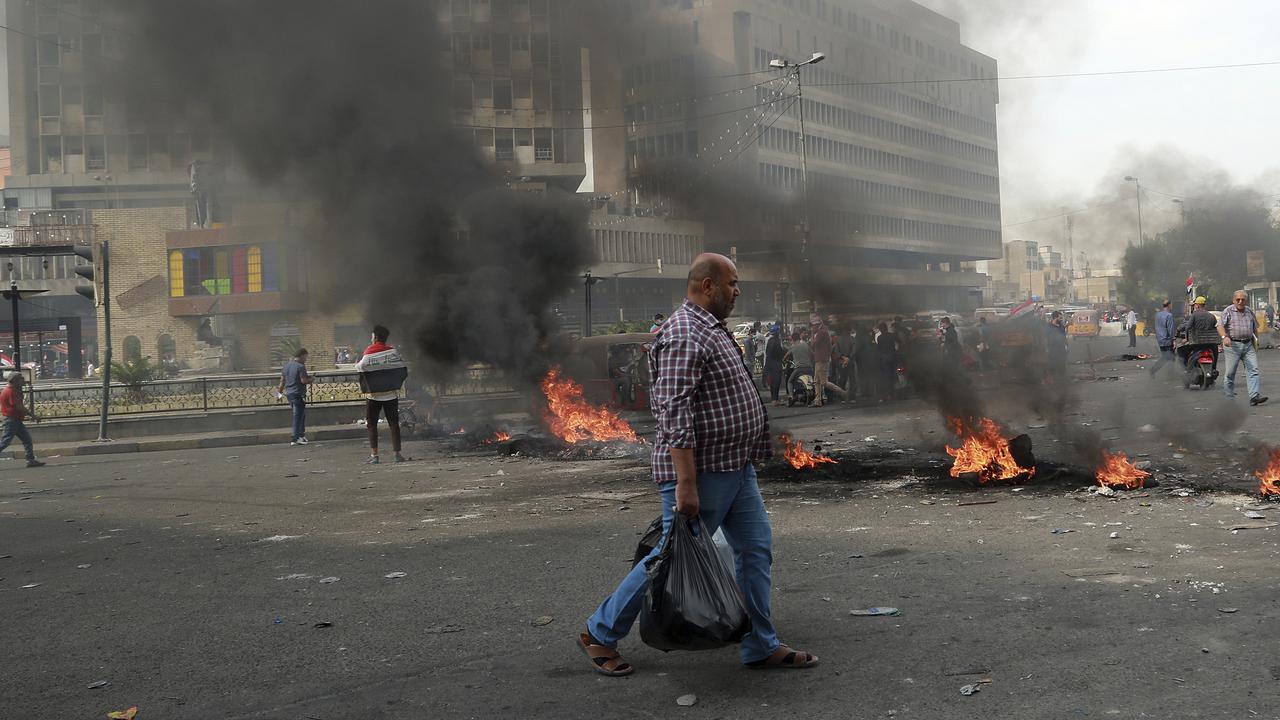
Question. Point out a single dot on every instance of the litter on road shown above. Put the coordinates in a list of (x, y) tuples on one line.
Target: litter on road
[(876, 612)]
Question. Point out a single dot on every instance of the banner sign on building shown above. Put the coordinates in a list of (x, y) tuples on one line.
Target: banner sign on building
[(1255, 265), (6, 237)]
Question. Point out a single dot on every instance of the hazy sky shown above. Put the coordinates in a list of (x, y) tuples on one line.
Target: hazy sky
[(1070, 142)]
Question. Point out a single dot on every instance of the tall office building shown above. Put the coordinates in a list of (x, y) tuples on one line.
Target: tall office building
[(900, 124)]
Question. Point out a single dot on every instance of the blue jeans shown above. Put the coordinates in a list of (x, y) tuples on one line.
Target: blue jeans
[(726, 499), (299, 405), (1237, 353), (16, 427)]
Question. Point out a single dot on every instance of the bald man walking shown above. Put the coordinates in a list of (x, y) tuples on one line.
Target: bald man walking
[(711, 424)]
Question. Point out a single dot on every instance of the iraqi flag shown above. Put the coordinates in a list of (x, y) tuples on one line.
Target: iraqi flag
[(1191, 284), (1022, 309)]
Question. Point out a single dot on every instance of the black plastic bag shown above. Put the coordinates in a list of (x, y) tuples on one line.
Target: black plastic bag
[(652, 536), (693, 601)]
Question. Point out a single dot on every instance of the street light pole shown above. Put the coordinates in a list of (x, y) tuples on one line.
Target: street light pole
[(780, 63), (1138, 194)]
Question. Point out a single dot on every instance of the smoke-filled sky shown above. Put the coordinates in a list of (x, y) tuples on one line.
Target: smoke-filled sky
[(1070, 142)]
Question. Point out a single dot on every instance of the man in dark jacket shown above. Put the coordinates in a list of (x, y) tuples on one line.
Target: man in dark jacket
[(382, 372), (774, 352)]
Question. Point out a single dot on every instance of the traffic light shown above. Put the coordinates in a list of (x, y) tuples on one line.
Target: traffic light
[(91, 272)]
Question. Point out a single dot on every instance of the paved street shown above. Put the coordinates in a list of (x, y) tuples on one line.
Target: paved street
[(192, 582)]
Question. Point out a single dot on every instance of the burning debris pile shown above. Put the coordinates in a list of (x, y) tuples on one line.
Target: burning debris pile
[(572, 419), (1119, 473), (1269, 476), (794, 453), (986, 452)]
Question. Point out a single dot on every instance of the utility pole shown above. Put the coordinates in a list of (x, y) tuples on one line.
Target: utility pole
[(780, 63), (102, 298), (1138, 194)]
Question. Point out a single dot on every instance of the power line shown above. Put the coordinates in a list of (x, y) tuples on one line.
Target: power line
[(1050, 76), (1061, 215)]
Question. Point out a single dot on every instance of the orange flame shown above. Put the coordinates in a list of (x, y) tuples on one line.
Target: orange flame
[(1118, 472), (499, 436), (1270, 476), (573, 419), (459, 431), (801, 459), (985, 451)]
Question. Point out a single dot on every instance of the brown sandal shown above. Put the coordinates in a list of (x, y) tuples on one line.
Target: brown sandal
[(604, 660), (784, 658)]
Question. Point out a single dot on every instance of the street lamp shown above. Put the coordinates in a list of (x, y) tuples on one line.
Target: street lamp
[(783, 64), (106, 181), (1138, 194)]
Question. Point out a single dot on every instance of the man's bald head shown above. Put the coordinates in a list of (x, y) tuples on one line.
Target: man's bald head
[(713, 284), (708, 266)]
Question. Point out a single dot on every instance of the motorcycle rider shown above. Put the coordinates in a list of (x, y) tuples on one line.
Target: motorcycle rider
[(1201, 331), (802, 359)]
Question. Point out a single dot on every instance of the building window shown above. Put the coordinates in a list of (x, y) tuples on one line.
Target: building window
[(254, 263), (239, 271), (132, 349), (177, 288), (166, 349)]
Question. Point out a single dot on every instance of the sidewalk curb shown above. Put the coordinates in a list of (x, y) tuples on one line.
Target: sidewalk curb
[(193, 442)]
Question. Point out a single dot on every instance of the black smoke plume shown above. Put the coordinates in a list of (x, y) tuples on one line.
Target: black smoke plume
[(345, 108)]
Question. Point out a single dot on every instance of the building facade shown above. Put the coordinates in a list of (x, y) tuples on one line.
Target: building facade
[(900, 133)]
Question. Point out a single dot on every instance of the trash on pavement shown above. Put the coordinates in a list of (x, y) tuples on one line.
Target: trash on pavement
[(1061, 531), (28, 586), (543, 620), (98, 684), (1228, 610), (1253, 526), (443, 629), (129, 714), (687, 700), (1255, 515), (876, 612), (1114, 535), (323, 624), (395, 575), (970, 689), (329, 580)]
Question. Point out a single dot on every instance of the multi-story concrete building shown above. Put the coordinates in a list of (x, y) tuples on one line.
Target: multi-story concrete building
[(900, 125)]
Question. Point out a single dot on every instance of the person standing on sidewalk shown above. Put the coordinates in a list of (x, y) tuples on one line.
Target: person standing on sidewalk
[(294, 380), (1131, 324), (774, 352), (711, 425), (382, 373), (14, 410), (1164, 337), (1238, 330)]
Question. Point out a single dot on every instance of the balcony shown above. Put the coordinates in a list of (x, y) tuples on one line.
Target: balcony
[(39, 239)]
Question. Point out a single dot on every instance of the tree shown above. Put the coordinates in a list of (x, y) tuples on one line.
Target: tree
[(133, 374)]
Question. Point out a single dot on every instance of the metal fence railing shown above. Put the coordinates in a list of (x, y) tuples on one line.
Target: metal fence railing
[(228, 393)]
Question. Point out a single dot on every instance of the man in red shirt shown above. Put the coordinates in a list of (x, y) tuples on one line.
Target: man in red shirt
[(14, 411)]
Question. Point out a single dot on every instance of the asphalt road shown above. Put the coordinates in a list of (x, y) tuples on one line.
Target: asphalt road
[(191, 581)]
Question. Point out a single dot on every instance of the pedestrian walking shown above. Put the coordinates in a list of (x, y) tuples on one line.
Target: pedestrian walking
[(887, 357), (1164, 337), (711, 425), (382, 373), (14, 410), (822, 347), (294, 380), (984, 344), (950, 342), (1131, 324), (774, 351), (658, 319), (1239, 330), (749, 350), (1056, 347)]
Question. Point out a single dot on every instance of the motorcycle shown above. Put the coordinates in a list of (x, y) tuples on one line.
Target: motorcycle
[(801, 387), (1201, 371)]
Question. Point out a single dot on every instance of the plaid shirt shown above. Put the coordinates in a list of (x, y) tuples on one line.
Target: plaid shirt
[(703, 397)]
